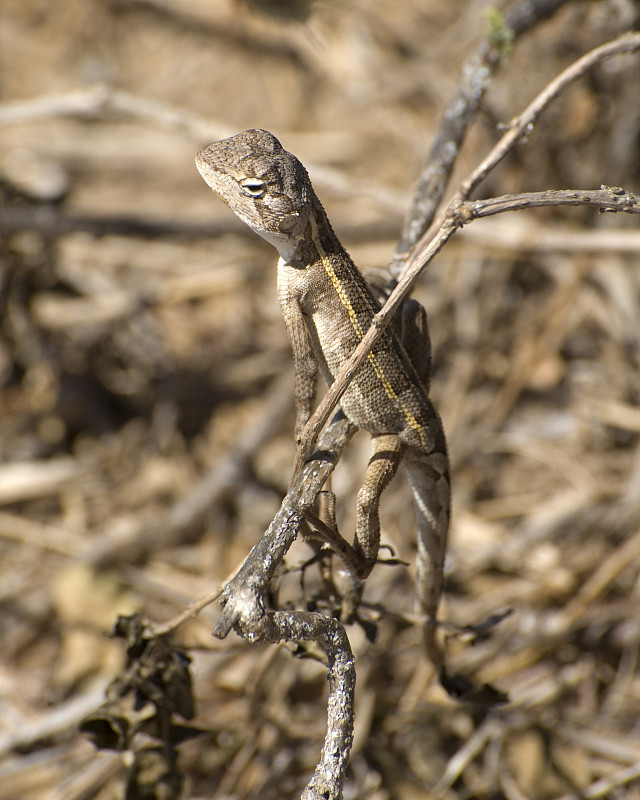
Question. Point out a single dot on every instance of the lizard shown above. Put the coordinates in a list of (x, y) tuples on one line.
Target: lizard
[(327, 307)]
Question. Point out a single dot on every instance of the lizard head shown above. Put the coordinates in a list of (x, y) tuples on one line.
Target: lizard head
[(267, 187)]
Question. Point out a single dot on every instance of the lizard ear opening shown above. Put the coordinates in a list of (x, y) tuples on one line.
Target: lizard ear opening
[(253, 187), (289, 222)]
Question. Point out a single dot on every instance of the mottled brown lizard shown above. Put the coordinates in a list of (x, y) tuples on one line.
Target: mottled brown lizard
[(327, 308)]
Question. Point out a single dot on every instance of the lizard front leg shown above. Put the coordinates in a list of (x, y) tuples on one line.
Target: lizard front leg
[(306, 366), (410, 323)]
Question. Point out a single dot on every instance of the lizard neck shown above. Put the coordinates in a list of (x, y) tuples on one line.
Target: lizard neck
[(316, 244)]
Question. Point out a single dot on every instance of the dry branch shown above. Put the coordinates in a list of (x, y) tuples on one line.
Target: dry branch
[(475, 78), (245, 612)]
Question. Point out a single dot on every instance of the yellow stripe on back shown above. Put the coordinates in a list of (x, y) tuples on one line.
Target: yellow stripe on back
[(338, 286)]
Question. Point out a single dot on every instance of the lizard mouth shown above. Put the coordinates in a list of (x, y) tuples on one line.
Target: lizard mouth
[(205, 169)]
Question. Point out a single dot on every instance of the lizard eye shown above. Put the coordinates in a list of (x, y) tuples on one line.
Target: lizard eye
[(253, 187)]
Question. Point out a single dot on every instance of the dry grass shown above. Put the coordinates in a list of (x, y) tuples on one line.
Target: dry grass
[(141, 364)]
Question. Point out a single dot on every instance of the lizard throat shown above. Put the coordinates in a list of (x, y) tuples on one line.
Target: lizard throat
[(284, 244)]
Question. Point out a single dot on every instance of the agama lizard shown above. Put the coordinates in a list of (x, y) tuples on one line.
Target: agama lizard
[(327, 308)]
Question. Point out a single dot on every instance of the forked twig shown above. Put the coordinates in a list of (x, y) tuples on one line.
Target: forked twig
[(475, 78)]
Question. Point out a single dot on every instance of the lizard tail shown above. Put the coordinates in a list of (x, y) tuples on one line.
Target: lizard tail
[(428, 476), (429, 479)]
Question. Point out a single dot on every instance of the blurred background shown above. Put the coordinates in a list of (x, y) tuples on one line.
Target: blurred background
[(145, 394)]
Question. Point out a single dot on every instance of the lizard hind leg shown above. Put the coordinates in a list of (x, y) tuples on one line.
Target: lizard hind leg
[(383, 464), (360, 558)]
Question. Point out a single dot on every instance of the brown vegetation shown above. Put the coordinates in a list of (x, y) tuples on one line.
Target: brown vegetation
[(146, 414)]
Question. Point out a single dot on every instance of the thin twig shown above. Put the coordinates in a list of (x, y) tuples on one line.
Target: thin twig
[(51, 723), (99, 99), (242, 597), (522, 125), (154, 631), (102, 100), (606, 199), (490, 729), (475, 78)]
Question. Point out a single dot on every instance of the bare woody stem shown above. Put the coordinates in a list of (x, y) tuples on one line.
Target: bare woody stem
[(522, 125), (452, 219), (607, 198), (475, 78), (245, 611)]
